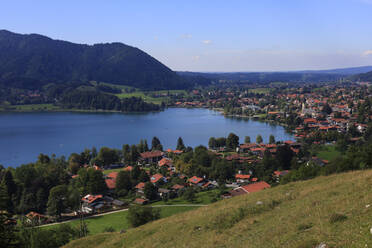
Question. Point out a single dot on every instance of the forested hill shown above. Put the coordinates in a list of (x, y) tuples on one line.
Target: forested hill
[(364, 77), (38, 59)]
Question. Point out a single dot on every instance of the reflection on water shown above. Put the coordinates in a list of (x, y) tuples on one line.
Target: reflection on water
[(25, 135)]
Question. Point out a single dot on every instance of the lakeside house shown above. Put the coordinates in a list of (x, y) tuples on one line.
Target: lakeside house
[(151, 156)]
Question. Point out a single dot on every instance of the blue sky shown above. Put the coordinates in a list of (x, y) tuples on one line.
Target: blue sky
[(211, 35)]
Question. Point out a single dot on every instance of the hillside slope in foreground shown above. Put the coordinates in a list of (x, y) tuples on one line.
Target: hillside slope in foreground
[(335, 210)]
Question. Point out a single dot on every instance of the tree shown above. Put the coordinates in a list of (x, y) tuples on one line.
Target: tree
[(221, 142), (212, 142), (74, 163), (134, 154), (43, 159), (271, 139), (151, 192), (232, 141), (155, 144), (126, 152), (247, 140), (284, 156), (7, 231), (108, 156), (139, 215), (259, 139), (57, 200), (180, 144), (145, 146), (96, 183), (189, 194), (327, 109), (123, 181)]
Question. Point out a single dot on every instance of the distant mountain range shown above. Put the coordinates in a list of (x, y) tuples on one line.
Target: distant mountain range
[(284, 76), (38, 59)]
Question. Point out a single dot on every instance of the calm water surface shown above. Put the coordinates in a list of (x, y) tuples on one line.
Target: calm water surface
[(25, 135)]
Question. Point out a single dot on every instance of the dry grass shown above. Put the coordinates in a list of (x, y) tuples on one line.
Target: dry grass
[(293, 215)]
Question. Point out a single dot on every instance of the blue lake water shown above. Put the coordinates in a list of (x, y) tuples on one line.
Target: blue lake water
[(23, 136)]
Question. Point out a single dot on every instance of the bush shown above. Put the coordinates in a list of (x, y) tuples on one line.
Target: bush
[(303, 227), (189, 194), (109, 229), (139, 215), (337, 218)]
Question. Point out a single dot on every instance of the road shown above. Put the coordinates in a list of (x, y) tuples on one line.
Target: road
[(122, 210)]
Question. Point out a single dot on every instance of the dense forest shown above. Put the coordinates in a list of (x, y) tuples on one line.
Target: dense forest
[(364, 77)]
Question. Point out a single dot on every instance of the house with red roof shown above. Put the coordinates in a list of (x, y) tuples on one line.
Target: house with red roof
[(196, 181), (152, 156), (111, 180), (157, 179), (141, 201), (278, 174), (250, 188), (36, 218), (242, 178), (140, 187)]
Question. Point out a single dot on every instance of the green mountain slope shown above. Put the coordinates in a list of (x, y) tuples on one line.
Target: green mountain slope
[(36, 57), (336, 210)]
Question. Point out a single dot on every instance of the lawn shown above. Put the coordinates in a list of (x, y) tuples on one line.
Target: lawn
[(260, 90), (146, 98), (112, 170), (118, 221), (204, 197), (328, 153)]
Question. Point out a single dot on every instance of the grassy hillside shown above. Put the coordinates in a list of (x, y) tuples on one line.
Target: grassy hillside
[(336, 210)]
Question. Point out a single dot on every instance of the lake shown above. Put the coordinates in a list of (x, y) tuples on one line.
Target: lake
[(23, 136)]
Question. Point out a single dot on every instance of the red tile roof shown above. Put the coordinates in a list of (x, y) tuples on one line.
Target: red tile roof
[(155, 178), (91, 198), (195, 180), (111, 180), (254, 187), (178, 186), (165, 161), (152, 154), (141, 185), (241, 176)]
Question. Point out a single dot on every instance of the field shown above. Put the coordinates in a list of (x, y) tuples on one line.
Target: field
[(118, 221), (335, 210), (205, 197), (328, 153), (147, 98), (112, 170), (260, 90)]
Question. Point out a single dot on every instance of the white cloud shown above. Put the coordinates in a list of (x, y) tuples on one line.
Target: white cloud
[(207, 42), (156, 37), (367, 53), (195, 58), (186, 36)]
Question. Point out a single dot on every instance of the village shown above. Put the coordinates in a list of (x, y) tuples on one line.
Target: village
[(326, 117)]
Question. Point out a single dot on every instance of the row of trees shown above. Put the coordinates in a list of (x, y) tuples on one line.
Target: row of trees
[(232, 141), (97, 100)]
